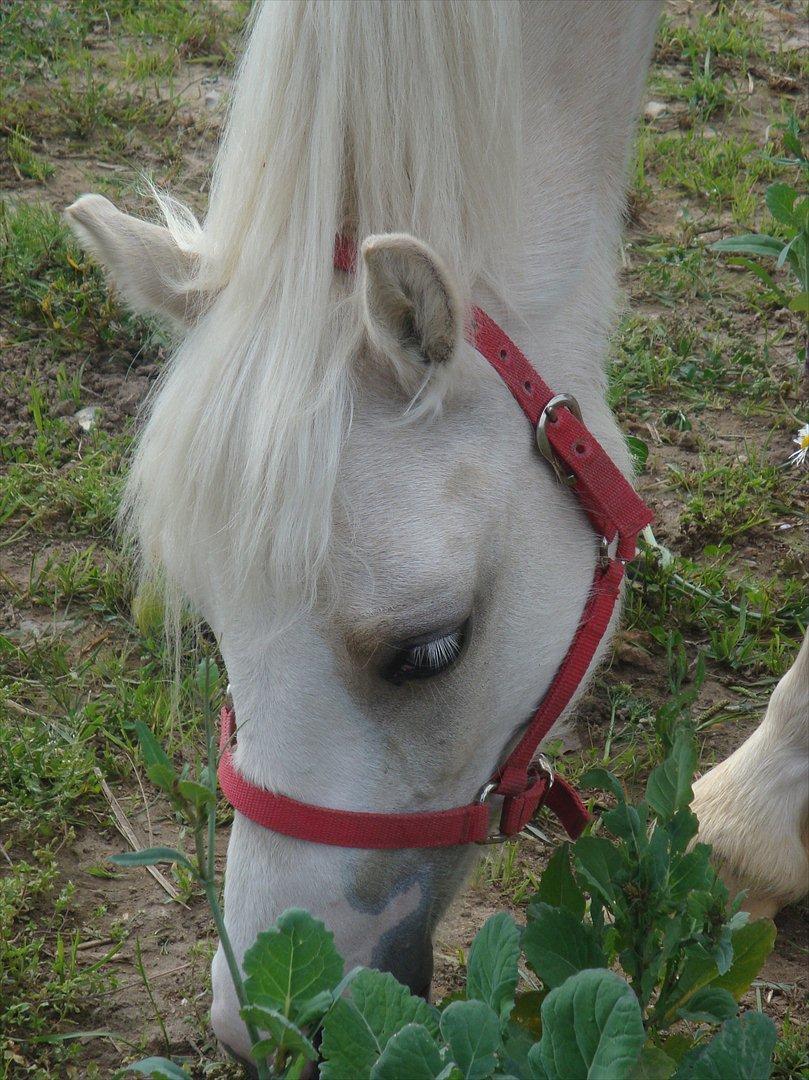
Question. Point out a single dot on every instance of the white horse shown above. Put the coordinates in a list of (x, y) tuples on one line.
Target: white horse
[(330, 475)]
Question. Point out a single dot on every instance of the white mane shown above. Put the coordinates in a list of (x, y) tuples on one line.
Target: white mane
[(360, 116)]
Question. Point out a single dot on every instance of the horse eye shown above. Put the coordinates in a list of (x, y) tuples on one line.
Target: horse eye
[(424, 659)]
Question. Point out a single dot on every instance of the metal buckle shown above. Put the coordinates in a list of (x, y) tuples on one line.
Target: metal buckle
[(606, 556), (488, 790), (486, 793), (543, 443)]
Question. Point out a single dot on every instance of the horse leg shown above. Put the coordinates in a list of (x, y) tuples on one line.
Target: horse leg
[(753, 808)]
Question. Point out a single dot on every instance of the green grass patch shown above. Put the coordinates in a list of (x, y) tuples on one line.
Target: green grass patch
[(730, 31), (44, 980), (56, 295)]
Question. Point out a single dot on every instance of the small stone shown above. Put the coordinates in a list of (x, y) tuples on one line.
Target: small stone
[(654, 109), (211, 98), (87, 418)]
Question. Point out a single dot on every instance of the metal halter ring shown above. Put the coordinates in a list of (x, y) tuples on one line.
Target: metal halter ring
[(545, 448), (489, 789)]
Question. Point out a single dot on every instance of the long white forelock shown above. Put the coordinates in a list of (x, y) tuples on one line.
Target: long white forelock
[(348, 115)]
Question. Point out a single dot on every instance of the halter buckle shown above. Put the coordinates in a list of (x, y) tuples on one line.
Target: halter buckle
[(543, 443), (540, 765)]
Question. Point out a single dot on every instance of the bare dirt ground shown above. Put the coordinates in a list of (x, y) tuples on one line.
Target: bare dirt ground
[(736, 416)]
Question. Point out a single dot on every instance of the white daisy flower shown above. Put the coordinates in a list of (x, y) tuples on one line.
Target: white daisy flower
[(799, 456)]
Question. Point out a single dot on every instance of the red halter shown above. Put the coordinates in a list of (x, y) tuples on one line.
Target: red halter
[(525, 782)]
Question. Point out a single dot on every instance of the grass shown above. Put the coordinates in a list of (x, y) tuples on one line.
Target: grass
[(703, 371)]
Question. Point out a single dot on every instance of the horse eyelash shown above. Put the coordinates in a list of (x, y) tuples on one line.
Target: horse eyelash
[(436, 654)]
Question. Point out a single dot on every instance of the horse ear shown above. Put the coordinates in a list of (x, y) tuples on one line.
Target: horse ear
[(412, 310), (143, 261)]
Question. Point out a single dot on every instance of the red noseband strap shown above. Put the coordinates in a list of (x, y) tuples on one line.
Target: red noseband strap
[(617, 515)]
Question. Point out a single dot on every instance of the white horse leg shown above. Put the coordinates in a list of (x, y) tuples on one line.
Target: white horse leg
[(753, 808)]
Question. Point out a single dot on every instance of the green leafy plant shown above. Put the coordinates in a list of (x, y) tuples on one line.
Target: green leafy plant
[(790, 209), (638, 957)]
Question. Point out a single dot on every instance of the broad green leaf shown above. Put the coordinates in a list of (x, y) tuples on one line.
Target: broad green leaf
[(592, 1028), (752, 944), (797, 255), (698, 970), (472, 1032), (750, 244), (639, 451), (196, 793), (162, 776), (711, 1005), (558, 886), (723, 951), (654, 863), (557, 945), (491, 970), (785, 250), (653, 1064), (669, 786), (315, 1008), (536, 1070), (158, 765), (600, 863), (291, 962), (779, 199), (207, 678), (626, 823), (412, 1053), (357, 1029), (741, 1050), (283, 1033), (602, 780), (517, 1043), (526, 1013), (682, 829), (800, 302), (689, 872), (791, 139), (151, 857), (160, 1068), (151, 749), (677, 1046)]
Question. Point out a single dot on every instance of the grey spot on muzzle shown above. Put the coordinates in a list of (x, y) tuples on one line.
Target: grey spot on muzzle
[(405, 949)]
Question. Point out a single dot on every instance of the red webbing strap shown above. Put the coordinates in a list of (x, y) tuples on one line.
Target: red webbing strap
[(512, 774), (345, 828), (612, 504)]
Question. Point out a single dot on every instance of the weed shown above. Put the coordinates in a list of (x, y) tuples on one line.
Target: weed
[(644, 899), (725, 499), (43, 980), (27, 163), (791, 1060), (789, 210), (731, 31)]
